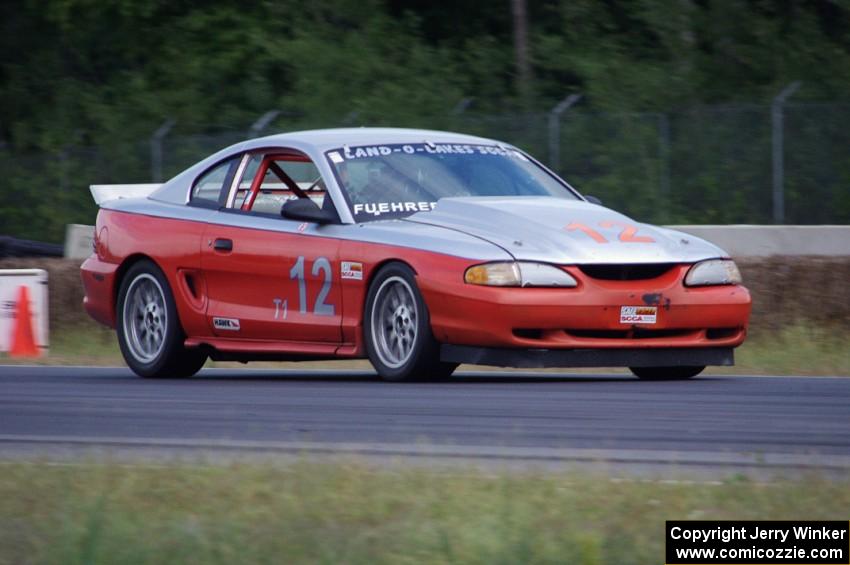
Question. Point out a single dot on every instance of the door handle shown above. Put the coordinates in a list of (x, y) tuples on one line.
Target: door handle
[(223, 244)]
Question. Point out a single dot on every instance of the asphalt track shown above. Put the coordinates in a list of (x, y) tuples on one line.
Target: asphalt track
[(710, 424)]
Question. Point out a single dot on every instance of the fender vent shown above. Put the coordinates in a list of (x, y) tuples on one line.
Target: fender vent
[(626, 272), (190, 284)]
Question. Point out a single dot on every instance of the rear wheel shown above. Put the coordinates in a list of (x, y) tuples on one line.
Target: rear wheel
[(666, 373), (397, 329), (149, 332)]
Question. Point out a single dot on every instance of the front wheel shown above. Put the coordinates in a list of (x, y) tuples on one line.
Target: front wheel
[(666, 373), (397, 329), (149, 332)]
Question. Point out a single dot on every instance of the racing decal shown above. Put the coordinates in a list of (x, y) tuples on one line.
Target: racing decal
[(352, 270), (296, 273), (597, 237), (627, 235), (350, 153), (378, 208), (280, 304), (638, 314), (230, 324)]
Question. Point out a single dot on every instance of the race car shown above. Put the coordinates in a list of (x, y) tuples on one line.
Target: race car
[(417, 249)]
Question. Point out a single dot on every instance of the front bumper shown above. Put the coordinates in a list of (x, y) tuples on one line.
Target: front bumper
[(541, 358), (589, 316)]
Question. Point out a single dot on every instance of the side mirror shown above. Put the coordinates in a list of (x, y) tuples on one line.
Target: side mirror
[(592, 199), (306, 210)]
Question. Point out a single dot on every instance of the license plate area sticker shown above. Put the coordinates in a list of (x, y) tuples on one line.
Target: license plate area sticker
[(638, 314)]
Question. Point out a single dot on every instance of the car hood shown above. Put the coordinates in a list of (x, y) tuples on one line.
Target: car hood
[(536, 229)]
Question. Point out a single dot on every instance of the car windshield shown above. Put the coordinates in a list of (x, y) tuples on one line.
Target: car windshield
[(396, 180)]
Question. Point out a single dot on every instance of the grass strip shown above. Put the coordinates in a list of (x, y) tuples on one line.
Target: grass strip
[(349, 513)]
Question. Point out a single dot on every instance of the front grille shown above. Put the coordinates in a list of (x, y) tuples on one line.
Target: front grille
[(626, 272), (636, 333), (528, 333), (630, 333)]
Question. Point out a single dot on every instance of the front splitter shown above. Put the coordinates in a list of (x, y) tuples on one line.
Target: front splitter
[(540, 358)]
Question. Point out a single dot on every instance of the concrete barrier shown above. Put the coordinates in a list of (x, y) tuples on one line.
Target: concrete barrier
[(78, 241), (768, 241), (737, 240)]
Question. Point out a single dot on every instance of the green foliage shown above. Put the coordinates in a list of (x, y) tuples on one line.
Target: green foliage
[(84, 83)]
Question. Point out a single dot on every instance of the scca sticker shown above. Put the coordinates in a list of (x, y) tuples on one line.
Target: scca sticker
[(638, 314), (352, 270), (230, 324)]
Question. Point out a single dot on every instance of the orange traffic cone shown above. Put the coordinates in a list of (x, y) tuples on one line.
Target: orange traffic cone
[(23, 341)]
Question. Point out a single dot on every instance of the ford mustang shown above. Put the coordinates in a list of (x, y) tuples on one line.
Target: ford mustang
[(419, 250)]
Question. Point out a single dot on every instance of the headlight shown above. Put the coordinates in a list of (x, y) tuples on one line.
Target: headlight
[(519, 274), (541, 274), (494, 274), (713, 272)]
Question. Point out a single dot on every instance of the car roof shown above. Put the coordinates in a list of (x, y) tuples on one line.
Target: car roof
[(324, 139), (313, 143)]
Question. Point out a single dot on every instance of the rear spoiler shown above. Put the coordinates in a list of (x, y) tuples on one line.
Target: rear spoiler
[(105, 192)]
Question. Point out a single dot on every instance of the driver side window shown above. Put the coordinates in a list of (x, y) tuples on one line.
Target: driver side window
[(270, 180), (243, 187)]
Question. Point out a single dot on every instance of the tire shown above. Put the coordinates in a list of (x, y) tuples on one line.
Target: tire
[(149, 331), (397, 329), (666, 373)]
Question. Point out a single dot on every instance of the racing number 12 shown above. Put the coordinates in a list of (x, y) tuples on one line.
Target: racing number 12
[(320, 308), (628, 235)]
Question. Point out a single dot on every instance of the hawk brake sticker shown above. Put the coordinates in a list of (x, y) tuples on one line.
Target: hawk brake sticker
[(230, 324), (351, 270), (638, 314)]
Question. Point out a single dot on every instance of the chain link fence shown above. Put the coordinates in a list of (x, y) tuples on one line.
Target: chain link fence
[(701, 165)]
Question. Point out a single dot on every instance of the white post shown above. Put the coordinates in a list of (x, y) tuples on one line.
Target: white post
[(555, 129), (262, 122), (664, 164), (351, 117), (156, 148), (461, 106), (777, 126)]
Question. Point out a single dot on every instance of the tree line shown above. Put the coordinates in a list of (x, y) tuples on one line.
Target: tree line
[(78, 75)]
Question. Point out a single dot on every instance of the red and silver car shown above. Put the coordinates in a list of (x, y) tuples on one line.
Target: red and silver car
[(418, 249)]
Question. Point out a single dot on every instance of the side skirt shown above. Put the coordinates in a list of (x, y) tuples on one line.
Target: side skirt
[(224, 349)]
